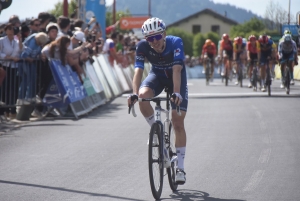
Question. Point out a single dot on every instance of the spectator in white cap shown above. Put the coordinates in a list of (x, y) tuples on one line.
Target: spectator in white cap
[(78, 42), (52, 31)]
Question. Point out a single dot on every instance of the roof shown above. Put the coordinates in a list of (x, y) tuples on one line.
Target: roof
[(206, 11)]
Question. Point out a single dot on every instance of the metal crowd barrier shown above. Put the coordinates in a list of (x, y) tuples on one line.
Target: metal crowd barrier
[(25, 83)]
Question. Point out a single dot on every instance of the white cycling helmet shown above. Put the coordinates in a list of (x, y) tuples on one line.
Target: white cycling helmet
[(287, 37), (153, 26)]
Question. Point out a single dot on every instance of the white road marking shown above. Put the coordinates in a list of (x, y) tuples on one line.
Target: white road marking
[(254, 181), (264, 156)]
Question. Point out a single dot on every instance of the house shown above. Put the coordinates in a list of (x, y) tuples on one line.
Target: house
[(205, 21)]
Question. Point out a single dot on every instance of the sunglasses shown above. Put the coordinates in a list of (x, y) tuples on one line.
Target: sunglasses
[(37, 25), (156, 37)]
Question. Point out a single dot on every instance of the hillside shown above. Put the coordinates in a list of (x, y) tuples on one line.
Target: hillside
[(173, 10)]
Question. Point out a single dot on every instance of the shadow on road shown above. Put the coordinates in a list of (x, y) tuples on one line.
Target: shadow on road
[(67, 190), (194, 195)]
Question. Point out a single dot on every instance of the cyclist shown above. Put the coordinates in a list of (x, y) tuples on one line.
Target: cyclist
[(209, 51), (287, 49), (274, 57), (226, 51), (253, 53), (239, 53), (295, 57), (166, 55), (266, 54)]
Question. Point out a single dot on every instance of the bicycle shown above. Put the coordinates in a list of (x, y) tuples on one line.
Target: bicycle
[(254, 77), (163, 147), (226, 73), (286, 77), (268, 78), (240, 71), (208, 70)]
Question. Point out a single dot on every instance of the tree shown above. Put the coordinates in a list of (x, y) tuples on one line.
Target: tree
[(58, 8), (198, 42), (187, 39), (253, 26), (275, 16)]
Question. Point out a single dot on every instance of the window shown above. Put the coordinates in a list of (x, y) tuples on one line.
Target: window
[(215, 28), (196, 29)]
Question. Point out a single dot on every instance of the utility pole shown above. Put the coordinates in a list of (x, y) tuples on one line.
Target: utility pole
[(289, 15), (114, 12), (149, 8), (65, 8)]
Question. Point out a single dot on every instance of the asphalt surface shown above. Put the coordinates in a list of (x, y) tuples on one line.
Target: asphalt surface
[(242, 145)]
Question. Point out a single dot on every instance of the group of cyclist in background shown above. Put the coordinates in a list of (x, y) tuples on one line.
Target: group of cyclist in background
[(239, 56)]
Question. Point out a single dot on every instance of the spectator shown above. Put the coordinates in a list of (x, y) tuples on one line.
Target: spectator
[(35, 26), (52, 31), (110, 48), (32, 49), (64, 25), (112, 28), (9, 50), (15, 21), (58, 49), (120, 44), (25, 31), (77, 52), (44, 18)]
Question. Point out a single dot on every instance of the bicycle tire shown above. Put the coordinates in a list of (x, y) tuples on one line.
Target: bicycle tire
[(207, 72), (287, 80), (226, 76), (171, 170), (240, 73), (156, 186), (254, 79), (269, 81)]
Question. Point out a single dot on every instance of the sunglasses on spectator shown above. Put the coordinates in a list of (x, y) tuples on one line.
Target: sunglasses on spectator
[(37, 25), (156, 37)]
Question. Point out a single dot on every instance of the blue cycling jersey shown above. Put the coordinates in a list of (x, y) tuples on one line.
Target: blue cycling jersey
[(160, 75), (162, 63)]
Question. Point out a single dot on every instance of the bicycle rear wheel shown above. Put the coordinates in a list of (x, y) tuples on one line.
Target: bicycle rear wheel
[(287, 80), (241, 77), (172, 153), (254, 79), (269, 80), (226, 76), (155, 161), (207, 72)]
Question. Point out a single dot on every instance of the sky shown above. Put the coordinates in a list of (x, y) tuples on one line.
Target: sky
[(31, 8)]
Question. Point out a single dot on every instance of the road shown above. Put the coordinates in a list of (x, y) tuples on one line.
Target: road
[(242, 145)]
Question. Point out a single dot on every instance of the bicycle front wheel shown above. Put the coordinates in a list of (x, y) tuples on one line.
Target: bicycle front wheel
[(155, 160), (172, 153)]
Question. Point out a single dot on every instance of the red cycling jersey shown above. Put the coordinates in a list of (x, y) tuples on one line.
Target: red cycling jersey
[(253, 49), (226, 46), (209, 49)]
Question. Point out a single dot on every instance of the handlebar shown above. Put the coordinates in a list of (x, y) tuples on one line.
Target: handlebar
[(156, 100)]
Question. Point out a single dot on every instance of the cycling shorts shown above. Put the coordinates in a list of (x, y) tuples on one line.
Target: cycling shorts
[(229, 54), (238, 54), (264, 57), (285, 57), (158, 83), (253, 56), (211, 56)]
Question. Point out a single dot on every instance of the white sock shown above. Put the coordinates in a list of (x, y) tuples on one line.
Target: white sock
[(150, 119), (180, 155)]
